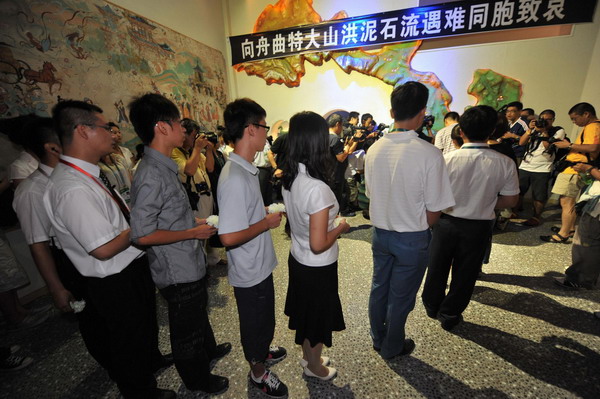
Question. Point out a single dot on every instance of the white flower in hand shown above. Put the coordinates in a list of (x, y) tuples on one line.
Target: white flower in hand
[(274, 208), (213, 220), (77, 306)]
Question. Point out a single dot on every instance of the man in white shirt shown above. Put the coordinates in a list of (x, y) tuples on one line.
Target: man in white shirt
[(443, 138), (408, 186), (90, 222), (460, 238), (535, 169)]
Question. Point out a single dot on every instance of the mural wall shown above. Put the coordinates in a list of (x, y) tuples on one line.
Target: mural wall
[(94, 50)]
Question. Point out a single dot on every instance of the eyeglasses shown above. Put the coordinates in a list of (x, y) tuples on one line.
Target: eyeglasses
[(267, 128), (93, 125)]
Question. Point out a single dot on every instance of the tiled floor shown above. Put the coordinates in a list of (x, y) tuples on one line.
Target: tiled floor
[(523, 337)]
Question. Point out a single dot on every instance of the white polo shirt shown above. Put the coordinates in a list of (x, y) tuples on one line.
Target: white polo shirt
[(240, 206), (28, 203), (540, 160), (23, 166), (306, 197), (477, 175), (443, 139), (405, 176), (84, 217)]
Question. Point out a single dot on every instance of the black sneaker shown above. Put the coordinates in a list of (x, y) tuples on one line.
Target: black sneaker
[(270, 385), (276, 353), (566, 284), (14, 362), (221, 350)]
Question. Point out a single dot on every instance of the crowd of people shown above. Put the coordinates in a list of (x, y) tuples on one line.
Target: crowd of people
[(107, 228)]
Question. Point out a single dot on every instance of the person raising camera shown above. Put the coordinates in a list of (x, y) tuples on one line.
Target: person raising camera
[(539, 155), (194, 167)]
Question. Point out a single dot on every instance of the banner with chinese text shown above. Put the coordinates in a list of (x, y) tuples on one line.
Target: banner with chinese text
[(449, 19)]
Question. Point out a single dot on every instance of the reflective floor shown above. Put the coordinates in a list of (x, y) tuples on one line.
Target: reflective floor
[(523, 337)]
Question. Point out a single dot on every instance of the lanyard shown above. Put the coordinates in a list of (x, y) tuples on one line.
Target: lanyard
[(120, 203)]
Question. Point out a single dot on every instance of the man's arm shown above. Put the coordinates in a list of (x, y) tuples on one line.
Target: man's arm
[(584, 148), (42, 256), (507, 201), (115, 246), (163, 237), (433, 217), (270, 221)]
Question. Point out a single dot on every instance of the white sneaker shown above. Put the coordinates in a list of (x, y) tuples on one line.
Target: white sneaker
[(324, 361)]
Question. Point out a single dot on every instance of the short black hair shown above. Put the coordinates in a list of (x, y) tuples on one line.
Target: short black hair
[(112, 124), (146, 111), (478, 123), (69, 114), (502, 126), (365, 117), (353, 114), (582, 108), (452, 116), (548, 111), (455, 135), (13, 128), (408, 100), (190, 125), (238, 115), (40, 131), (530, 111), (516, 104), (333, 120)]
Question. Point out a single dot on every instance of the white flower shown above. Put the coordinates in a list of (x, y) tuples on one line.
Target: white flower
[(77, 306), (274, 208), (336, 221), (213, 220)]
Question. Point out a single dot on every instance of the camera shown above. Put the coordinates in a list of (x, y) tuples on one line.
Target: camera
[(428, 121), (211, 137), (541, 123), (202, 189)]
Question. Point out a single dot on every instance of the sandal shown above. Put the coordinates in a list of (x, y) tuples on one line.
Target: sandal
[(556, 229), (532, 221), (551, 238)]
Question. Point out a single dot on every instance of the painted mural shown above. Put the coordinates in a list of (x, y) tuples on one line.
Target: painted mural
[(494, 89), (96, 51)]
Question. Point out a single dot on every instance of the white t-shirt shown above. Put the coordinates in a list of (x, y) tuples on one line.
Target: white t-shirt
[(356, 162), (28, 203), (443, 139), (84, 217), (539, 160), (261, 160), (240, 206), (23, 166), (307, 197), (405, 176), (477, 175)]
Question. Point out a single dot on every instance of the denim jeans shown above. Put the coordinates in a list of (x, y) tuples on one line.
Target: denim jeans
[(399, 263)]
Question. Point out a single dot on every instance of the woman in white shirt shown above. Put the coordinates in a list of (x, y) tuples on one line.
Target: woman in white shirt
[(312, 304)]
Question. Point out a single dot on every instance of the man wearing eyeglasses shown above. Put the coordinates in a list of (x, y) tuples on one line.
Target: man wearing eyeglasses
[(91, 223)]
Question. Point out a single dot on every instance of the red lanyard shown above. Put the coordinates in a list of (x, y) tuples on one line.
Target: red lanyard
[(120, 203)]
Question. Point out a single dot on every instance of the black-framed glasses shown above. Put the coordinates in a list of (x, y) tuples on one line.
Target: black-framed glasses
[(267, 128), (93, 125)]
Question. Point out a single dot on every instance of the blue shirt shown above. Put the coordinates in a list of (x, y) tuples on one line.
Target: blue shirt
[(159, 202)]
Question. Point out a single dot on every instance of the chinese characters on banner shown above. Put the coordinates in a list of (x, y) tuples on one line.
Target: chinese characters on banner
[(447, 19)]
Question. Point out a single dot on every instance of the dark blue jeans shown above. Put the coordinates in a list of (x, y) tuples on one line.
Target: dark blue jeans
[(399, 262)]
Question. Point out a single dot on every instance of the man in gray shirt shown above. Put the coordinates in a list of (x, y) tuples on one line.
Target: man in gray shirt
[(162, 220), (244, 229)]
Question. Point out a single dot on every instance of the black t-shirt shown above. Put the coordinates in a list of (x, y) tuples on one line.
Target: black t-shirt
[(336, 146)]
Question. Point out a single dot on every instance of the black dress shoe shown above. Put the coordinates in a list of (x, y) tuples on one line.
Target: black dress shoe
[(162, 362), (164, 394), (431, 313), (221, 350), (216, 385), (409, 347), (450, 323)]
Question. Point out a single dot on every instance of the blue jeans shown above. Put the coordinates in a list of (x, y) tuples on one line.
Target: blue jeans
[(399, 263)]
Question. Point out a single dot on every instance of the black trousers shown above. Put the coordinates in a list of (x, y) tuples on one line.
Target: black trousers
[(124, 318), (585, 252), (256, 310), (192, 339), (266, 188), (459, 244)]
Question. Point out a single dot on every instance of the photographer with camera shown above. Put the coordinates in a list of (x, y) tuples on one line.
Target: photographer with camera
[(194, 166), (539, 155), (584, 149), (443, 138), (427, 125)]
